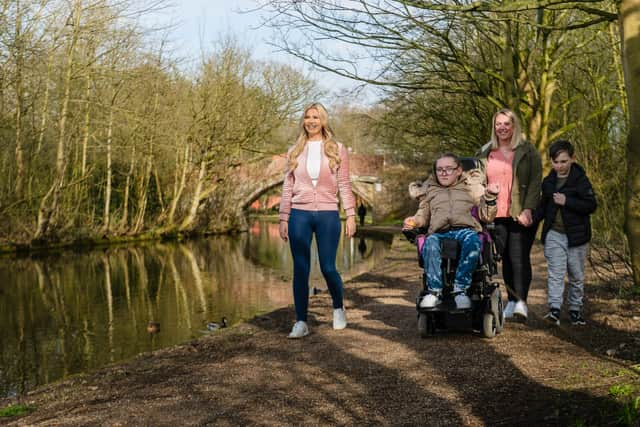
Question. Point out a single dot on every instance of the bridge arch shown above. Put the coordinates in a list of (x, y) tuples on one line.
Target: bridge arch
[(360, 189), (253, 196), (258, 178)]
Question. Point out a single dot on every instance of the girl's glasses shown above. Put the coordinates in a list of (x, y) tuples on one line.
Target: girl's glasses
[(445, 171)]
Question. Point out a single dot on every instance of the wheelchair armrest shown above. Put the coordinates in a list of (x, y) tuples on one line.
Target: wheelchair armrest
[(413, 233), (491, 230)]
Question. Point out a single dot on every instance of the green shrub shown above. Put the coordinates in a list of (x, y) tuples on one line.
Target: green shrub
[(15, 410)]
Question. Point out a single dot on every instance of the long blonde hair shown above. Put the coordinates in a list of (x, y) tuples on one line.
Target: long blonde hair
[(331, 149), (516, 138)]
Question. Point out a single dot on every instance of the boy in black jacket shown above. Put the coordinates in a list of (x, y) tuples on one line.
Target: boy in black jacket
[(567, 201)]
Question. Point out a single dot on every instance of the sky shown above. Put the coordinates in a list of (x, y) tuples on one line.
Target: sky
[(202, 22)]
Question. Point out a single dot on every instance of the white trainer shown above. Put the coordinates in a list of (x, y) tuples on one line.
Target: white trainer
[(339, 318), (429, 301), (462, 302), (521, 310), (508, 310), (299, 330)]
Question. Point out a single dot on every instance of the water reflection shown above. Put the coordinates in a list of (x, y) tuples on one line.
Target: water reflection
[(78, 311)]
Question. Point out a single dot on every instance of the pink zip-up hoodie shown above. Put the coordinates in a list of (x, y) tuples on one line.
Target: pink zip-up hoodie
[(298, 191)]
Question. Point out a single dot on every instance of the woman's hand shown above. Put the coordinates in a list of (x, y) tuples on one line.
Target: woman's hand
[(350, 228), (284, 230), (525, 218), (409, 223)]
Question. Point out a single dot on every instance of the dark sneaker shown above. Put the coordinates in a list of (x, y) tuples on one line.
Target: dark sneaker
[(553, 316), (576, 318)]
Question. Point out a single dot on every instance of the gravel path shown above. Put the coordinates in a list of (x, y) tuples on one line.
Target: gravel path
[(376, 372)]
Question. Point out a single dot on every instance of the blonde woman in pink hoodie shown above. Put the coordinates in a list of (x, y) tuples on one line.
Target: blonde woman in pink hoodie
[(317, 172)]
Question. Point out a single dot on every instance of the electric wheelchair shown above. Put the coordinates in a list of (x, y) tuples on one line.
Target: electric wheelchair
[(486, 312)]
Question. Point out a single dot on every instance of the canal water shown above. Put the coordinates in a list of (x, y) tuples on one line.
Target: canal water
[(78, 311)]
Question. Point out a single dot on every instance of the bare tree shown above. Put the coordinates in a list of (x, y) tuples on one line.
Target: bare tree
[(22, 41), (630, 25), (49, 203), (98, 127)]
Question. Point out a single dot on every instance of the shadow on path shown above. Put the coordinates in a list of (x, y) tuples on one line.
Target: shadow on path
[(376, 372)]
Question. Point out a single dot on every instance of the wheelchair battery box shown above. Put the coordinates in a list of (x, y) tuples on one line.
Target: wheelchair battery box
[(449, 248)]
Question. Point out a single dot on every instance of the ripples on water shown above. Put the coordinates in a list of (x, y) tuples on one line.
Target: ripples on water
[(75, 312)]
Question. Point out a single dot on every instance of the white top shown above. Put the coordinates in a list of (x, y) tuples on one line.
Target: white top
[(314, 158)]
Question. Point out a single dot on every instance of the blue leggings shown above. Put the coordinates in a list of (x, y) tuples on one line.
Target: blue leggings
[(469, 254), (326, 226)]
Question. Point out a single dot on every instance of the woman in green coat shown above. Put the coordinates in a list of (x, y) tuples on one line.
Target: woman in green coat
[(515, 165)]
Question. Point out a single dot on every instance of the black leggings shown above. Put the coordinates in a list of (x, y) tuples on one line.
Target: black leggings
[(513, 242)]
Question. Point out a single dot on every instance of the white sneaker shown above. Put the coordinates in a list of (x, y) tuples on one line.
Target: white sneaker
[(521, 310), (462, 301), (339, 318), (430, 301), (300, 329), (508, 310)]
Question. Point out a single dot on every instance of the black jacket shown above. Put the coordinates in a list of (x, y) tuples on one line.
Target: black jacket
[(581, 202)]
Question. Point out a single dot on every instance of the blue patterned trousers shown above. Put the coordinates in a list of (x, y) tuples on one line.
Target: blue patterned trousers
[(469, 254)]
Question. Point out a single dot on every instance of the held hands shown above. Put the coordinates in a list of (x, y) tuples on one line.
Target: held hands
[(525, 218), (350, 227), (284, 230), (559, 199)]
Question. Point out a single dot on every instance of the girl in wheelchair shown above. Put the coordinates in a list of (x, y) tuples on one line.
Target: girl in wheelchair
[(447, 199)]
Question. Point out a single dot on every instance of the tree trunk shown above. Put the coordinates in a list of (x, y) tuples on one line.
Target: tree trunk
[(124, 222), (80, 187), (616, 57), (195, 201), (85, 127), (106, 217), (630, 30), (45, 103), (48, 210), (43, 121), (142, 196), (539, 90), (539, 122), (178, 188), (156, 180), (19, 54), (510, 63)]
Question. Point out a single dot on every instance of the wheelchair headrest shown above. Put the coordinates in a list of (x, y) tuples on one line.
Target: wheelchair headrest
[(467, 163)]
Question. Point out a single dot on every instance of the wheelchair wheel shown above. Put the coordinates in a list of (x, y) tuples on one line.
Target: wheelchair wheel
[(489, 325), (500, 322), (426, 325)]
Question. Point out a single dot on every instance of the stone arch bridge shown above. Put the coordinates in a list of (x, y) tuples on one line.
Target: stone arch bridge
[(261, 177)]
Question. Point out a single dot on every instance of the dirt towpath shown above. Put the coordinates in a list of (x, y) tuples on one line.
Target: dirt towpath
[(376, 372)]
